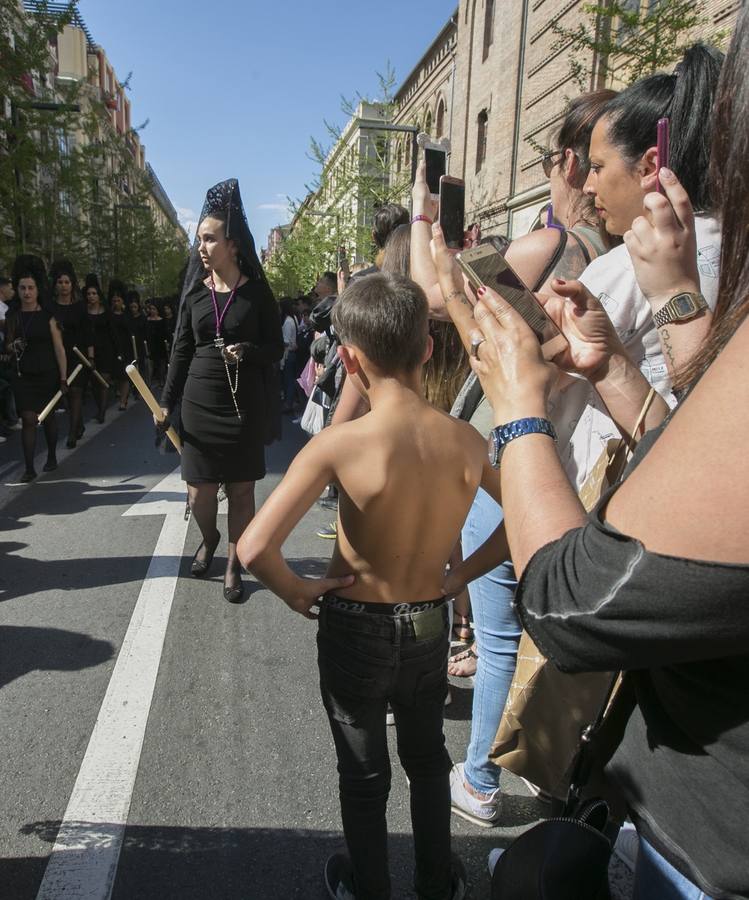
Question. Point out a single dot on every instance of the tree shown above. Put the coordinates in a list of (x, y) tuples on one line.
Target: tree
[(629, 38)]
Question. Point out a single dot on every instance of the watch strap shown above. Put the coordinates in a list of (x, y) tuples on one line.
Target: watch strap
[(680, 308), (501, 436)]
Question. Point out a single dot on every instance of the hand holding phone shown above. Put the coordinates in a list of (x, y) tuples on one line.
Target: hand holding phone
[(662, 143), (485, 265), (452, 211)]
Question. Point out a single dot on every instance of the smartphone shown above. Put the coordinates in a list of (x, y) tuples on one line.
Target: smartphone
[(663, 152), (435, 157), (343, 261), (485, 265), (452, 196)]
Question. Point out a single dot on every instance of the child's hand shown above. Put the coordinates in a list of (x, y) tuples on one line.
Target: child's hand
[(310, 591)]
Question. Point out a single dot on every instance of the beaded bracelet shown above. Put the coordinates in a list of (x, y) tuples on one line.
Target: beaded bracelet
[(422, 219)]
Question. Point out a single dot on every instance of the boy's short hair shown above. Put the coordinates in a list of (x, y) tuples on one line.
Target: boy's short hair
[(387, 317)]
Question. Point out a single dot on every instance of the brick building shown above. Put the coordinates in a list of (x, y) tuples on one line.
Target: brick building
[(496, 81)]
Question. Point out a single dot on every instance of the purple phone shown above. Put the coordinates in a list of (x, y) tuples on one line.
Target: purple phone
[(663, 150)]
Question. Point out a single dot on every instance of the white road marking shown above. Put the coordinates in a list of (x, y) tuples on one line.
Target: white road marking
[(84, 859)]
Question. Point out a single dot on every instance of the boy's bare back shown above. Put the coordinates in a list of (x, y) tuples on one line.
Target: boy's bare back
[(407, 475)]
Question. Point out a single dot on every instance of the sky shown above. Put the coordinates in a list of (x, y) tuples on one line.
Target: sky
[(236, 88)]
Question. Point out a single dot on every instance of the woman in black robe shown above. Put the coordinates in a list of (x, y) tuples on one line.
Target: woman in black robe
[(123, 344), (34, 341), (102, 337), (70, 314), (228, 337)]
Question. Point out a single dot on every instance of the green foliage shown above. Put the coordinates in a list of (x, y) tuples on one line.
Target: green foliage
[(69, 183), (631, 40)]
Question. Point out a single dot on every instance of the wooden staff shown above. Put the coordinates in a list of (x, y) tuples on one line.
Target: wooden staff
[(89, 365), (142, 388), (56, 399)]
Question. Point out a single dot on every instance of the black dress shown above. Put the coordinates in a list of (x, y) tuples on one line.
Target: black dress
[(76, 330), (36, 379), (122, 343), (156, 340), (217, 445), (105, 348), (137, 326)]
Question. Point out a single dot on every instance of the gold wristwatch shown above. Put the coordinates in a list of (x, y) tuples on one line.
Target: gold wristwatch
[(680, 308)]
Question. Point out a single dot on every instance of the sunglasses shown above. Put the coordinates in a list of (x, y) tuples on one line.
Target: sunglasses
[(549, 160)]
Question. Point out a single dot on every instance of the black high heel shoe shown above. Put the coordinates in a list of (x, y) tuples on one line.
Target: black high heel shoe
[(234, 594), (199, 568)]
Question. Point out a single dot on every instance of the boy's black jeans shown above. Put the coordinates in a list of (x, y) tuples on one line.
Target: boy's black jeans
[(367, 659)]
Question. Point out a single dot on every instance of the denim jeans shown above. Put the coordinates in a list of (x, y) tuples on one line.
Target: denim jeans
[(657, 879), (497, 637), (367, 660)]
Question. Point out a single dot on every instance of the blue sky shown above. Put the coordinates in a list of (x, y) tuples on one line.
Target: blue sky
[(235, 88)]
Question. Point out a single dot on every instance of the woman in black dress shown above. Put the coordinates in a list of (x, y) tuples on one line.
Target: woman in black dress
[(137, 324), (156, 344), (121, 332), (34, 340), (70, 314), (228, 335), (102, 336)]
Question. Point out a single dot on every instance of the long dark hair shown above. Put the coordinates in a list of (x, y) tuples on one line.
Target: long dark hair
[(729, 180), (574, 133), (687, 98)]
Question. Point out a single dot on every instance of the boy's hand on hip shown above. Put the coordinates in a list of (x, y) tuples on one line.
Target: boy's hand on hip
[(310, 591)]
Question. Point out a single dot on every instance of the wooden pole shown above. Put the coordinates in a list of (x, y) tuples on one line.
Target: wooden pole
[(142, 388), (56, 399), (91, 366)]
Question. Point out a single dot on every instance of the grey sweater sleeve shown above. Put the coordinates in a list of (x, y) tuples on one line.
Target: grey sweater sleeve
[(597, 600)]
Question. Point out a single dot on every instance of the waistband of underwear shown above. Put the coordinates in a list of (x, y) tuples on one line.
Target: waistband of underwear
[(342, 604)]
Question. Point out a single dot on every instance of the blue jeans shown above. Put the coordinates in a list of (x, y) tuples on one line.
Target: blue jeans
[(497, 636), (657, 879)]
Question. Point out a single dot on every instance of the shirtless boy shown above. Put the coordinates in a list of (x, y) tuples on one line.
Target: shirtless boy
[(406, 474)]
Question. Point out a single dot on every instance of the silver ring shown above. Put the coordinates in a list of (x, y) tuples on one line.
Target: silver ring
[(475, 344)]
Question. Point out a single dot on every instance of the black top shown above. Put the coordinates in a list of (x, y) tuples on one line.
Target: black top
[(38, 354), (597, 600), (252, 319), (156, 337), (76, 330), (121, 332)]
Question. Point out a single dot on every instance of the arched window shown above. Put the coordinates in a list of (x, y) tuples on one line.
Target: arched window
[(488, 26), (481, 133), (399, 158), (428, 123), (440, 127)]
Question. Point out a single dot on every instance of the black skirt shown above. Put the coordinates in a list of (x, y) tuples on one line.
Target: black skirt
[(219, 446), (33, 391)]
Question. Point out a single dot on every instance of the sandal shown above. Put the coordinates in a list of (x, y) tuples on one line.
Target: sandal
[(462, 631), (463, 663)]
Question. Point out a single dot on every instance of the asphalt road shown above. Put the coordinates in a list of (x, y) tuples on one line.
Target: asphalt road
[(236, 787)]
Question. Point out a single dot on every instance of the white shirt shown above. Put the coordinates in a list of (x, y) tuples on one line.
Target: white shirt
[(582, 422)]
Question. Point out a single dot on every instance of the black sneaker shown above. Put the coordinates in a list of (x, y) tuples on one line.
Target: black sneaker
[(338, 877), (328, 503)]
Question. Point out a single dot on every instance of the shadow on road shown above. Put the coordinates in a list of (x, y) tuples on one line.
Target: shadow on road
[(23, 577), (160, 863), (24, 650)]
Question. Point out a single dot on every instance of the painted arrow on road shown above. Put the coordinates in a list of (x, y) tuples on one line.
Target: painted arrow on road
[(84, 859)]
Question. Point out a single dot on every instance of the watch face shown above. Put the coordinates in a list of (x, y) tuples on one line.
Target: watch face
[(683, 304)]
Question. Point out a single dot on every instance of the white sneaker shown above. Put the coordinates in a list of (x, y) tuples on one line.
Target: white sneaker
[(536, 791), (480, 812), (627, 845), (494, 859)]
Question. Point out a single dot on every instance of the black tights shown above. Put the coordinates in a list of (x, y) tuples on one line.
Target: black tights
[(28, 436), (75, 412), (204, 506)]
